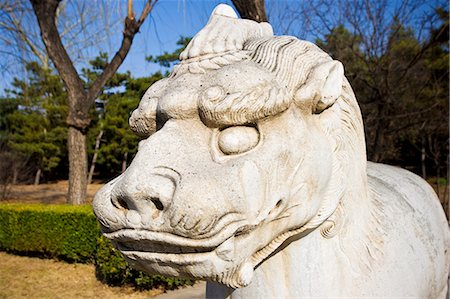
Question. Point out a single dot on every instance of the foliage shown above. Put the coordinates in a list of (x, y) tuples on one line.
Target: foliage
[(168, 59), (402, 88), (97, 66), (54, 231), (119, 144), (71, 233), (33, 120), (33, 123)]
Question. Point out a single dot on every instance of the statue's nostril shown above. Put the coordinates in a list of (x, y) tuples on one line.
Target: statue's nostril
[(123, 204), (158, 204), (120, 203)]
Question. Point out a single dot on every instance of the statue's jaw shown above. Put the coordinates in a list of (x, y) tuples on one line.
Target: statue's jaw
[(219, 263), (225, 258), (228, 258)]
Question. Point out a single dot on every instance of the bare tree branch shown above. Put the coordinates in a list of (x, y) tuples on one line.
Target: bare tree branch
[(131, 28)]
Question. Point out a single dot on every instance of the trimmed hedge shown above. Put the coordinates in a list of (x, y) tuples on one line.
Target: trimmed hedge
[(64, 232), (71, 233)]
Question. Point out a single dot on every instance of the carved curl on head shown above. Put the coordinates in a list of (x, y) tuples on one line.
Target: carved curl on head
[(143, 119), (292, 61), (217, 108)]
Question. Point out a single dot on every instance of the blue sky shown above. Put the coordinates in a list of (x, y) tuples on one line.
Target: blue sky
[(168, 21), (171, 19)]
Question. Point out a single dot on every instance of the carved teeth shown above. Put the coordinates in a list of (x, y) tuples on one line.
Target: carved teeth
[(226, 250)]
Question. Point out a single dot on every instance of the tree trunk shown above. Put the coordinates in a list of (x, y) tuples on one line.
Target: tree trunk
[(37, 177), (375, 153), (94, 158), (124, 162), (251, 9), (76, 145), (422, 159), (15, 174), (438, 183), (79, 99)]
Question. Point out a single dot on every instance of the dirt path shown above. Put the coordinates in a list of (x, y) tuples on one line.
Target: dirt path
[(54, 193), (25, 277), (196, 291)]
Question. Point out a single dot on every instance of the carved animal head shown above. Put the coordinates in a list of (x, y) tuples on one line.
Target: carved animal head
[(247, 143)]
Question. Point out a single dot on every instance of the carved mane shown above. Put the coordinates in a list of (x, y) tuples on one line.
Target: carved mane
[(343, 124)]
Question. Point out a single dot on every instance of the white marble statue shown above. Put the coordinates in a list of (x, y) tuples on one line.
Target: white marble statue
[(253, 176)]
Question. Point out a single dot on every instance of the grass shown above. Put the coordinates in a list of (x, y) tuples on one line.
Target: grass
[(26, 277)]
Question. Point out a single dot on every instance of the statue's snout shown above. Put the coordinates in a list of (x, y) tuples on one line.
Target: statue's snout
[(136, 200), (146, 195)]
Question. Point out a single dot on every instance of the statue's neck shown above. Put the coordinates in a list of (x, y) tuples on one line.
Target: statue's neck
[(306, 256)]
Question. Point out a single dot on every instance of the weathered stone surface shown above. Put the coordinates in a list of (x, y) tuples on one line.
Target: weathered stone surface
[(253, 176)]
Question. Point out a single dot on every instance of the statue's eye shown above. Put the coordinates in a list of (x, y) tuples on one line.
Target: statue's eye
[(237, 140)]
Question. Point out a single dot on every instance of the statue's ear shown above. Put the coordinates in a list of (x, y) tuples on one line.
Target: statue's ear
[(322, 87)]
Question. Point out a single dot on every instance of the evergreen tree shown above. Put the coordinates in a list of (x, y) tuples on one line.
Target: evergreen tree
[(111, 143), (34, 120), (167, 59), (119, 143)]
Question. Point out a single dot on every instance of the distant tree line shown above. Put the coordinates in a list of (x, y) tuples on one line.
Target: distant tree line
[(396, 59)]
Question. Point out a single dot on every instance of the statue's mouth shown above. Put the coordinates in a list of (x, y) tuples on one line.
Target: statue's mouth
[(164, 247), (228, 257), (218, 262), (156, 247)]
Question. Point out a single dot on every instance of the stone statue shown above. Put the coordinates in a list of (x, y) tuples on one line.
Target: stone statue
[(252, 175)]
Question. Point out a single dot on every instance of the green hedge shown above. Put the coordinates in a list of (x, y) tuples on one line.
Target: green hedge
[(55, 231), (70, 233)]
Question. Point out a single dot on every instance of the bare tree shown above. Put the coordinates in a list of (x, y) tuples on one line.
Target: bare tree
[(251, 9), (81, 99), (82, 27)]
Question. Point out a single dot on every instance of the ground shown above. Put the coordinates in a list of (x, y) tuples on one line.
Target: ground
[(26, 277), (54, 193)]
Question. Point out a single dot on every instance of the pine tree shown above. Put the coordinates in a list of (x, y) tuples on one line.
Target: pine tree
[(35, 129)]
